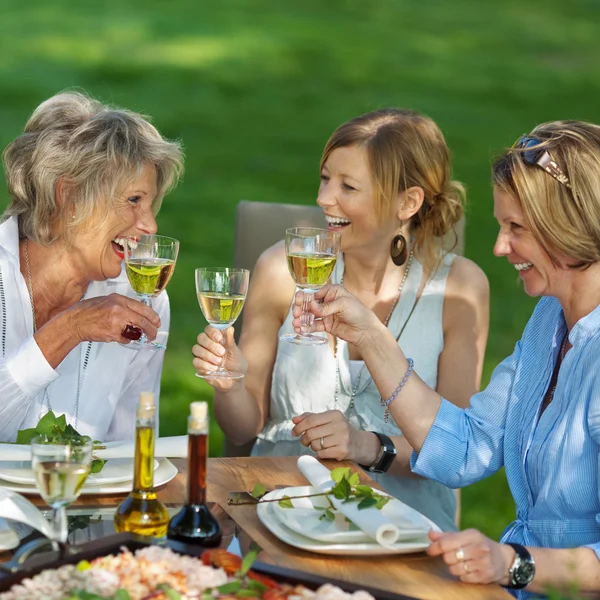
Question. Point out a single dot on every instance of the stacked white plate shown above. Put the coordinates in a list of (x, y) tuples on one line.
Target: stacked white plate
[(116, 476), (303, 528)]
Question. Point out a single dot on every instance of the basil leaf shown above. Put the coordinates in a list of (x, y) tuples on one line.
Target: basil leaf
[(366, 503), (286, 502), (354, 479), (97, 465), (340, 473), (249, 559), (363, 490), (24, 436), (258, 491)]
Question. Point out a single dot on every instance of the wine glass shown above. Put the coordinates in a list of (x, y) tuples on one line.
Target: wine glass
[(149, 264), (311, 256), (221, 295), (60, 471)]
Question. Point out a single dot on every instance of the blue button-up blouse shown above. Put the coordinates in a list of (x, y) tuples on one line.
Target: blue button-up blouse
[(551, 461)]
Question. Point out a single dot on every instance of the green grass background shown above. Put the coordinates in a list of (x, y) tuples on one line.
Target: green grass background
[(254, 88)]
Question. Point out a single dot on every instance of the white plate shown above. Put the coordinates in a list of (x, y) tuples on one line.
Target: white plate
[(164, 473), (305, 519), (269, 516), (116, 470)]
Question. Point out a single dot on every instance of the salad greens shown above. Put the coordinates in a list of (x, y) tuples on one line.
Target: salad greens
[(58, 431)]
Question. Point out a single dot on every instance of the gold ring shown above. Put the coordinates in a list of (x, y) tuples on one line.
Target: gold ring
[(322, 444), (460, 555)]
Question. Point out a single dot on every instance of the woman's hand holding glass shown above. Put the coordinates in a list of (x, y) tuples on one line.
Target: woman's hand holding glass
[(149, 264), (337, 312), (311, 256), (60, 471), (216, 349), (221, 294), (104, 318)]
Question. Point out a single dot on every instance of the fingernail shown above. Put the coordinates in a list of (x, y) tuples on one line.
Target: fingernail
[(220, 351)]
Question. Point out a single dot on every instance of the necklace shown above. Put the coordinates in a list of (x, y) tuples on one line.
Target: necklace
[(354, 388), (562, 352), (80, 372)]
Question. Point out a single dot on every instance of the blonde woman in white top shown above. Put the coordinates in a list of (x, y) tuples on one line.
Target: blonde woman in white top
[(81, 178), (386, 187)]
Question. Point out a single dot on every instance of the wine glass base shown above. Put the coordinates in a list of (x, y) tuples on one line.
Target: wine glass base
[(303, 340), (221, 375), (143, 346)]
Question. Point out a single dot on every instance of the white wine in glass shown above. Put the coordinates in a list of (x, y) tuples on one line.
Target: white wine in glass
[(311, 256), (149, 264), (60, 471), (221, 294)]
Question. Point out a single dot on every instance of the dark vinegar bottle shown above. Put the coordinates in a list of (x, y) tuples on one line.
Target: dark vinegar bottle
[(194, 523)]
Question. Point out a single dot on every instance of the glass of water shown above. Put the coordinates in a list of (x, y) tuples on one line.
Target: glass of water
[(60, 469)]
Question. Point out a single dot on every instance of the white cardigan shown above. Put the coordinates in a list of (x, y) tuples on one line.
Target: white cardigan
[(113, 378)]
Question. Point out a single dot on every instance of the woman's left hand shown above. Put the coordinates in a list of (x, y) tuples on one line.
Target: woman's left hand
[(472, 556), (328, 433)]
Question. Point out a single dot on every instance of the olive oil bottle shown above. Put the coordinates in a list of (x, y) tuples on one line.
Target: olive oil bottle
[(194, 523), (142, 512)]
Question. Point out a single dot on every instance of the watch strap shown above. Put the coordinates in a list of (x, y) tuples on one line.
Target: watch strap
[(386, 455)]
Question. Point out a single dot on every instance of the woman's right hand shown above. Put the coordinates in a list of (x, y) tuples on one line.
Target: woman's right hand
[(104, 318), (213, 351), (337, 312)]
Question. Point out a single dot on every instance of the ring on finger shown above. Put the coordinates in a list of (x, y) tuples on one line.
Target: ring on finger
[(322, 443), (460, 555)]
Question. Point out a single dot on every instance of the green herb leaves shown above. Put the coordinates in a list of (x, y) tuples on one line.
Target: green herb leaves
[(58, 431), (347, 488)]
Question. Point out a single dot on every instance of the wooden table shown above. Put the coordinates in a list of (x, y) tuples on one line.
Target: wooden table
[(413, 575)]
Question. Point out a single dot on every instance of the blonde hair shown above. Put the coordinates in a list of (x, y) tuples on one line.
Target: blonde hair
[(404, 149), (94, 150), (561, 219)]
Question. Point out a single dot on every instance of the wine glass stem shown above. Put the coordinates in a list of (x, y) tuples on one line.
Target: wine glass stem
[(306, 318), (146, 302), (222, 368), (59, 522)]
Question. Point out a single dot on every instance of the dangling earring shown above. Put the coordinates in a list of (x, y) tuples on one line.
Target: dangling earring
[(399, 250)]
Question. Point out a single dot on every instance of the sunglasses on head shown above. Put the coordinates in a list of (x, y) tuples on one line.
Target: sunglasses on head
[(534, 155)]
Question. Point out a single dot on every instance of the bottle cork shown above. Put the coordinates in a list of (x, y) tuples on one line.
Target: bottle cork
[(198, 416), (146, 406)]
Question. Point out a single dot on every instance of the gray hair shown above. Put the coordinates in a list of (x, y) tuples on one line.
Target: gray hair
[(93, 151)]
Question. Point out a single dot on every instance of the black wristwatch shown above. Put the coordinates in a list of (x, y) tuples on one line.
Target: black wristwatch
[(386, 456), (522, 570)]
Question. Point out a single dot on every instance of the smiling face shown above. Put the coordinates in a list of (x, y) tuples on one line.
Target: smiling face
[(98, 250), (540, 276), (346, 197)]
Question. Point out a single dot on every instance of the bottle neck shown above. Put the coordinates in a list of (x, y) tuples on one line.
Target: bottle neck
[(197, 455), (143, 474)]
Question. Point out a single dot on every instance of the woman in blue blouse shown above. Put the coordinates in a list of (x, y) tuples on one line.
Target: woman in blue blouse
[(540, 414)]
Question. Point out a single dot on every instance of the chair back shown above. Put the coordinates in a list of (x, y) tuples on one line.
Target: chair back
[(259, 225)]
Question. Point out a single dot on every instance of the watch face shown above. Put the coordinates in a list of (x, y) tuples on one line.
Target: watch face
[(524, 573)]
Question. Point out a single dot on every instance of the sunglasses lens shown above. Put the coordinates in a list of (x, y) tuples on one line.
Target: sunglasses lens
[(532, 150)]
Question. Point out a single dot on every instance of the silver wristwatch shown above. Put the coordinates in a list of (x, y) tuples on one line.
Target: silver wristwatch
[(522, 570)]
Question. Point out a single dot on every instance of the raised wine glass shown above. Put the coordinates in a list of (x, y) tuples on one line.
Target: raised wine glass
[(221, 295), (149, 263), (60, 471), (311, 256)]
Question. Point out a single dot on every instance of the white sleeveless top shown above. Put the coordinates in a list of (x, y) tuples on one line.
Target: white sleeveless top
[(304, 380)]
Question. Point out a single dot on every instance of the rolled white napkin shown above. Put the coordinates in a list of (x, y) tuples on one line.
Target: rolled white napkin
[(370, 520), (175, 447)]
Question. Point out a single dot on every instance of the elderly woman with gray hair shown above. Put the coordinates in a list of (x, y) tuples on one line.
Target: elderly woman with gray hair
[(81, 177)]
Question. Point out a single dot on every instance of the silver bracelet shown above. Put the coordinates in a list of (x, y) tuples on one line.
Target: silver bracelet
[(386, 403)]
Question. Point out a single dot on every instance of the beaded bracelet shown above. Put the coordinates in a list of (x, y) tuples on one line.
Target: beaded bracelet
[(386, 403)]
